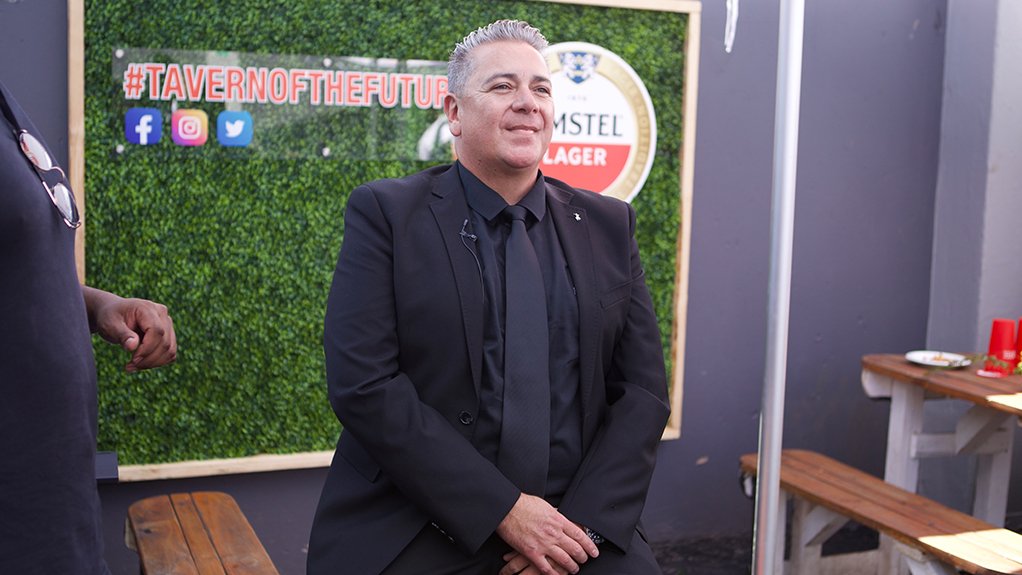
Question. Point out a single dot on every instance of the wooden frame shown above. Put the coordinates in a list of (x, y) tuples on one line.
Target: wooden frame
[(76, 168), (76, 119)]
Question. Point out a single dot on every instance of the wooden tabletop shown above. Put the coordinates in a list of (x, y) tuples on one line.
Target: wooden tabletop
[(1003, 394)]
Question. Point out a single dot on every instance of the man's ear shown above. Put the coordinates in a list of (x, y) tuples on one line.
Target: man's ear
[(453, 113)]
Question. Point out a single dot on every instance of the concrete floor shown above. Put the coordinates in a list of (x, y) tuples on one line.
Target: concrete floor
[(850, 551), (705, 556)]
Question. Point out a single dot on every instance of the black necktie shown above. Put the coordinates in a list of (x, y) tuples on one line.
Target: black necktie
[(525, 425)]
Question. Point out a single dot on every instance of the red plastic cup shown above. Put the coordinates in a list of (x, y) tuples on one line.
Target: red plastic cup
[(1003, 347), (1018, 344)]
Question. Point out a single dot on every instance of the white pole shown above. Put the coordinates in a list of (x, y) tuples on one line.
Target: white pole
[(767, 547)]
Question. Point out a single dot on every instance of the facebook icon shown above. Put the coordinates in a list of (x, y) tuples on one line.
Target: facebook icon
[(143, 126)]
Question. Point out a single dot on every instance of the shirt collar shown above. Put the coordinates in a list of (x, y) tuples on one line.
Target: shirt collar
[(489, 204)]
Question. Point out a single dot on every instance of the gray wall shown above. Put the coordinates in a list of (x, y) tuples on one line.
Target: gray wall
[(962, 177), (1002, 266), (977, 275), (868, 165), (868, 152)]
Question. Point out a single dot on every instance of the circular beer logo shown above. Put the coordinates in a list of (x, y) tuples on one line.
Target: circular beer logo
[(604, 123)]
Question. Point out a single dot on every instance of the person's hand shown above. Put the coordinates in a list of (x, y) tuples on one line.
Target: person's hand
[(140, 326), (517, 564), (547, 540)]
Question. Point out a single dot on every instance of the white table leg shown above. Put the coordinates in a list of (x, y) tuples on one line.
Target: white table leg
[(901, 467), (992, 472)]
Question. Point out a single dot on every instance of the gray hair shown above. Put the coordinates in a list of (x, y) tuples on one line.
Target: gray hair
[(459, 66)]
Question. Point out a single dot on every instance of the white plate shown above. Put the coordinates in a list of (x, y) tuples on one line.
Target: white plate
[(937, 358)]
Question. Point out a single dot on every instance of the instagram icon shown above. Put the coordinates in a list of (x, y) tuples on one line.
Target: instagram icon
[(189, 127)]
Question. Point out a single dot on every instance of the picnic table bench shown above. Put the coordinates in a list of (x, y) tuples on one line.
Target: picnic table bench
[(933, 539), (200, 533)]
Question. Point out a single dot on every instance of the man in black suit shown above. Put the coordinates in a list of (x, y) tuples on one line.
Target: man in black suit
[(415, 354)]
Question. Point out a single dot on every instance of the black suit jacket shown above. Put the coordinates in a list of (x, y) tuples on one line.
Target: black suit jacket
[(403, 339)]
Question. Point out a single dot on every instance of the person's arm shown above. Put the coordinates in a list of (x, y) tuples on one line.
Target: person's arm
[(140, 326), (609, 489)]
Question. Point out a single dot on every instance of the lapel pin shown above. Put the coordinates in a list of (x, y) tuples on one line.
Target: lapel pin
[(578, 218)]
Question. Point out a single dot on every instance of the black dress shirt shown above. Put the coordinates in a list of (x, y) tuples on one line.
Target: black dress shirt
[(486, 233)]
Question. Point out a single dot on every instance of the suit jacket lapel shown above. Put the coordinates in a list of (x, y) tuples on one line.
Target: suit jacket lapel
[(573, 231), (451, 212)]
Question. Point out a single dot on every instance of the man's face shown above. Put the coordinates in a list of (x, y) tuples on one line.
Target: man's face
[(503, 120)]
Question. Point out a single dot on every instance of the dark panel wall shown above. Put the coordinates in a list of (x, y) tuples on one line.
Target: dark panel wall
[(33, 64), (868, 151), (867, 172)]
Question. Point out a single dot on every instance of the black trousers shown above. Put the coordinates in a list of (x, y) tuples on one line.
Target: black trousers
[(431, 553)]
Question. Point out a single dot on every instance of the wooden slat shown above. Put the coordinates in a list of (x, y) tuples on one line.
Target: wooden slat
[(76, 121), (939, 521), (231, 466), (235, 540), (202, 533), (689, 6), (869, 486), (207, 562), (950, 536), (872, 514), (162, 549), (940, 529), (856, 502), (907, 517)]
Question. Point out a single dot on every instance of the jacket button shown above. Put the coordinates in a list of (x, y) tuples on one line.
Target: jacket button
[(465, 418)]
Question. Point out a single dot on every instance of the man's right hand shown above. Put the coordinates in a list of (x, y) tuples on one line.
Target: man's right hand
[(550, 541)]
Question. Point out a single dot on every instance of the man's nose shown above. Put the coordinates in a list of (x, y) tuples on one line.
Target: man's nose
[(525, 101)]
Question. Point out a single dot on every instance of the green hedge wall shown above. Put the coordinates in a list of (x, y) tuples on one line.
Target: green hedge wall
[(241, 247)]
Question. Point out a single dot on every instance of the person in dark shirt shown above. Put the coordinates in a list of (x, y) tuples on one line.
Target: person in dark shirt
[(49, 505), (491, 352)]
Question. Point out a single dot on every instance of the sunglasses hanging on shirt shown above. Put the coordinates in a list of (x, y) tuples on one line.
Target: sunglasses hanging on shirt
[(54, 180)]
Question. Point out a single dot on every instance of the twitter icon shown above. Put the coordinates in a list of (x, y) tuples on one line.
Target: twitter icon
[(234, 128)]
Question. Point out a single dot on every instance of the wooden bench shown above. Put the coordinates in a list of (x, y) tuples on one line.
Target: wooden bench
[(200, 533), (933, 539)]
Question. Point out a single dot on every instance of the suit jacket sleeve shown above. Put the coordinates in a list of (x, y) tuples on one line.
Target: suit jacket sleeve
[(418, 448), (609, 490)]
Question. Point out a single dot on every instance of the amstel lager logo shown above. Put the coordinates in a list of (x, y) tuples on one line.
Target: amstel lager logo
[(604, 123)]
